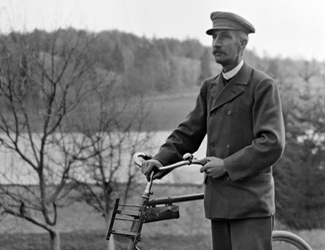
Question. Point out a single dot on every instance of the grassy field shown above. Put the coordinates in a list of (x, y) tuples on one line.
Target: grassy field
[(83, 229), (95, 241), (169, 110)]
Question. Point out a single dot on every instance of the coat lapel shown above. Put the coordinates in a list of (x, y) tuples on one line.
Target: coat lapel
[(234, 88)]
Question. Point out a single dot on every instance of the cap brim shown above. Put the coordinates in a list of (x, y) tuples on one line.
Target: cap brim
[(210, 31)]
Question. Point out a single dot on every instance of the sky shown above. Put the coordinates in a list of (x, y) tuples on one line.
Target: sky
[(285, 28)]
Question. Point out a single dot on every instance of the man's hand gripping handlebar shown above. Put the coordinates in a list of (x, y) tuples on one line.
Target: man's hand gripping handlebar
[(153, 169)]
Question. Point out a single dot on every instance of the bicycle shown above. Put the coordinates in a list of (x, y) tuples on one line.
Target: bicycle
[(163, 208)]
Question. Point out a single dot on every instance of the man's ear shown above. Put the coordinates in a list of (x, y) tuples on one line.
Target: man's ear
[(243, 43)]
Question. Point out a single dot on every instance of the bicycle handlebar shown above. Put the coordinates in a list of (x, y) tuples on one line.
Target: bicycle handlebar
[(188, 159), (140, 157)]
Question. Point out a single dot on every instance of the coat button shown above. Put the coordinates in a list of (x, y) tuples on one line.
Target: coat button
[(227, 146), (213, 113), (229, 112), (212, 145)]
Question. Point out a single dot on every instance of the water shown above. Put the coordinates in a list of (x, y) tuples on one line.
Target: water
[(14, 170)]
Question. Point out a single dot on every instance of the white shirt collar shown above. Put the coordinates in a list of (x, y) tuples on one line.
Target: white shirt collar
[(233, 72)]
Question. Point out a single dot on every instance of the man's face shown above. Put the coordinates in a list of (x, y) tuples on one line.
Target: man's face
[(226, 48)]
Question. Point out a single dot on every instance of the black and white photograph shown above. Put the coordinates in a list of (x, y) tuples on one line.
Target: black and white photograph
[(162, 124)]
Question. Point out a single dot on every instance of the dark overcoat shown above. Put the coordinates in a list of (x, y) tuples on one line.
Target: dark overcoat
[(244, 126)]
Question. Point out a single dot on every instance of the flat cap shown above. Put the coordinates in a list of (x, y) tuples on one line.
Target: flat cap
[(227, 20)]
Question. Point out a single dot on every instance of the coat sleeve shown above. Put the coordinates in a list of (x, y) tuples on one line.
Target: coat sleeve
[(188, 136), (269, 135)]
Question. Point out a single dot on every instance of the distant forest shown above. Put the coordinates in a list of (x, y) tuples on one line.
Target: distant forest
[(142, 66), (152, 65)]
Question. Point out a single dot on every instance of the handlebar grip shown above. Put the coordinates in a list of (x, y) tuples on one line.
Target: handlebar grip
[(140, 157), (188, 157)]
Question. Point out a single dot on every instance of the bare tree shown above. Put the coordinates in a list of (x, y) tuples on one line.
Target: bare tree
[(44, 77), (111, 131)]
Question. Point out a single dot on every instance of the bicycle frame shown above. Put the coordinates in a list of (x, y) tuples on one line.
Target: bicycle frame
[(150, 211)]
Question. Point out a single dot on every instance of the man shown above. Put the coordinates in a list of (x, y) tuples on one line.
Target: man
[(240, 111)]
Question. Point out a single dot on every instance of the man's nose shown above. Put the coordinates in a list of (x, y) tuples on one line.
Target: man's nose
[(216, 42)]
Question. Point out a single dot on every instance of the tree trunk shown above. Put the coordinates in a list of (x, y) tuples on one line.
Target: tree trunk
[(55, 242), (111, 243)]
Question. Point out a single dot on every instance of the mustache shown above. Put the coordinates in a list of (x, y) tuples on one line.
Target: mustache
[(214, 51)]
